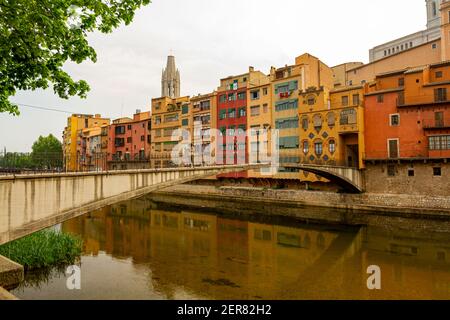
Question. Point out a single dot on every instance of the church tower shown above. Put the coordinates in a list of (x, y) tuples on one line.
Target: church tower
[(445, 30), (433, 15), (170, 80)]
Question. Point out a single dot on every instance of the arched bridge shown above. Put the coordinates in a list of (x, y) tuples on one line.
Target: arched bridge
[(351, 179), (29, 203)]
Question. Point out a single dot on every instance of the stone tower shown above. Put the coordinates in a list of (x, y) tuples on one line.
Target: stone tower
[(170, 81), (433, 14)]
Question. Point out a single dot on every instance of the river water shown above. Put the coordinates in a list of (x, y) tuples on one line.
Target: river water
[(142, 249)]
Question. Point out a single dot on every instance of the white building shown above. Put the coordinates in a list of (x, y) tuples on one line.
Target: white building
[(432, 32)]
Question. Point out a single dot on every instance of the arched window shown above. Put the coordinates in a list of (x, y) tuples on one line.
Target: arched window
[(332, 146), (317, 121), (331, 119), (318, 147), (305, 123), (305, 146)]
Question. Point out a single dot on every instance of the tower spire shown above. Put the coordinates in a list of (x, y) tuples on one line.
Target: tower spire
[(170, 80)]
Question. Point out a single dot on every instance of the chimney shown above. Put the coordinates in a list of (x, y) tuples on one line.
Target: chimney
[(97, 116), (251, 69), (138, 111)]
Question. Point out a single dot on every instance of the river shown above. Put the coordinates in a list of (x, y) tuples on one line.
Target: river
[(142, 249)]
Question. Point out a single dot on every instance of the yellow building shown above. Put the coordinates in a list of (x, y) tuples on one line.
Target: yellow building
[(166, 117), (259, 123), (72, 137), (289, 86), (203, 110)]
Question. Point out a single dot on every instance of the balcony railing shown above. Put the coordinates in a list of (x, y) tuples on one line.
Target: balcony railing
[(436, 124)]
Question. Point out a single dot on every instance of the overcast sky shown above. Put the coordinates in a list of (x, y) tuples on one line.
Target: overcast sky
[(211, 39)]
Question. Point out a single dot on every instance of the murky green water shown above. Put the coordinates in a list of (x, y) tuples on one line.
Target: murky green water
[(143, 250)]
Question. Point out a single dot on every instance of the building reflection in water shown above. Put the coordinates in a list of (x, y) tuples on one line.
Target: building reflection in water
[(218, 257)]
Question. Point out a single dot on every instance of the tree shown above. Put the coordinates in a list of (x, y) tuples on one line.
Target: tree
[(38, 36), (47, 153)]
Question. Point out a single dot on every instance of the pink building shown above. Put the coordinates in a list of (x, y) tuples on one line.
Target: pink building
[(129, 142)]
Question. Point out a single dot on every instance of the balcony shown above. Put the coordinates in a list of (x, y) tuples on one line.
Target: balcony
[(434, 124)]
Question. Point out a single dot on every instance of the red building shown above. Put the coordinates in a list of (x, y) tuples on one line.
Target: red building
[(232, 122), (407, 130), (129, 142)]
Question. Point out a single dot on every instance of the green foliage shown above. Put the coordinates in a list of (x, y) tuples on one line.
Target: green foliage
[(16, 160), (44, 249), (47, 152), (38, 36)]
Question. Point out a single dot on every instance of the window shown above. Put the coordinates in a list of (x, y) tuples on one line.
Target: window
[(232, 97), (380, 98), (439, 142), (254, 111), (265, 107), (393, 148), (158, 133), (394, 120), (129, 127), (242, 96), (254, 95), (286, 105), (344, 101), (289, 142), (305, 147), (439, 119), (434, 8), (157, 120), (411, 172), (434, 46), (289, 123), (264, 91), (356, 99), (439, 74), (120, 130), (232, 113), (331, 119), (171, 117), (119, 142), (318, 149), (223, 98), (223, 114), (317, 119), (185, 122), (311, 100), (205, 105), (391, 170), (185, 109), (242, 112), (348, 116), (142, 138), (401, 82), (305, 123), (332, 146), (410, 44), (440, 94), (231, 130), (437, 171), (223, 130)]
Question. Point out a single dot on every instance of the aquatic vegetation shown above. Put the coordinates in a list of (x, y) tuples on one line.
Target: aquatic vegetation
[(44, 249)]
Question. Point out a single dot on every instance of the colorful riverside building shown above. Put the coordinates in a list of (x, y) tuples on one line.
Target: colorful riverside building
[(407, 131), (202, 125), (129, 142), (166, 119), (232, 104), (92, 157), (73, 138), (291, 88), (259, 123)]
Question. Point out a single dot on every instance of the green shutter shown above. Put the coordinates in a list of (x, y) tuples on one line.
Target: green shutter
[(185, 109), (293, 85), (185, 122)]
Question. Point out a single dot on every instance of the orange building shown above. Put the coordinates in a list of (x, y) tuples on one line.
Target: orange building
[(407, 130)]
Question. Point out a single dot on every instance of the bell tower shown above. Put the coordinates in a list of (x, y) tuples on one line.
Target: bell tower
[(433, 16), (445, 30)]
